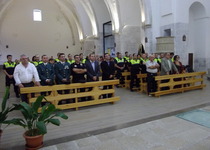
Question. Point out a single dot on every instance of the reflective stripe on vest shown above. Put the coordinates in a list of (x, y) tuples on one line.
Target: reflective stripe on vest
[(119, 60), (134, 62), (144, 60), (9, 65), (71, 61)]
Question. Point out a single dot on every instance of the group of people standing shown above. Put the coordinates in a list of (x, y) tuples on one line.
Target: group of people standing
[(60, 70)]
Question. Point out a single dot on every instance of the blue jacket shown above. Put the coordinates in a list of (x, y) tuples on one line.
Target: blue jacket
[(62, 71), (46, 72)]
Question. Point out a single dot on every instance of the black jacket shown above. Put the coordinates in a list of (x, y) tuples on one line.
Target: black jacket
[(107, 70)]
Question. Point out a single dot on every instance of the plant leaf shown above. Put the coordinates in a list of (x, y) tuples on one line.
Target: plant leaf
[(54, 121), (26, 110), (41, 127), (62, 115), (37, 103), (46, 113), (17, 121), (4, 102)]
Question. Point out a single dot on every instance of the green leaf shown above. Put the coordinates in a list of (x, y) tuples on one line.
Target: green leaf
[(41, 127), (26, 110), (54, 121), (62, 115), (50, 109), (37, 103), (17, 121), (4, 102)]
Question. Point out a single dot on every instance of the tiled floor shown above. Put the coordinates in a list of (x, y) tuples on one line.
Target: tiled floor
[(169, 133), (133, 109)]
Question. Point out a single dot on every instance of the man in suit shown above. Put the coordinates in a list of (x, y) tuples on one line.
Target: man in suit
[(167, 66), (108, 71), (93, 70)]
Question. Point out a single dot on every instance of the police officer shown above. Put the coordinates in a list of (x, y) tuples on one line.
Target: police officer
[(119, 65), (62, 72), (36, 61), (135, 69), (46, 72), (8, 69), (143, 63), (70, 60), (126, 60), (78, 73), (83, 60)]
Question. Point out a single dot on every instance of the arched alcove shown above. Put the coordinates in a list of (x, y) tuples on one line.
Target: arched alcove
[(197, 35)]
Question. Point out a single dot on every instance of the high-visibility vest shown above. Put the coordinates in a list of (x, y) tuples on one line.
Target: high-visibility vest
[(157, 60), (36, 63), (57, 60), (144, 60), (135, 62), (126, 58), (119, 60), (9, 65), (71, 61), (84, 60)]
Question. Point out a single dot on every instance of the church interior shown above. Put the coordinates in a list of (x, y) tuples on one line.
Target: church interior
[(135, 121)]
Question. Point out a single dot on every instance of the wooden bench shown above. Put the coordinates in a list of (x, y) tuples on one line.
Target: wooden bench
[(179, 83), (126, 76), (96, 93), (143, 83)]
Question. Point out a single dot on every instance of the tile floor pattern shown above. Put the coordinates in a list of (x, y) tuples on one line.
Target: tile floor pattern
[(170, 133)]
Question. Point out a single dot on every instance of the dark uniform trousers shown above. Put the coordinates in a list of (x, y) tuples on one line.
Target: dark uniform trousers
[(9, 68), (79, 78), (151, 83)]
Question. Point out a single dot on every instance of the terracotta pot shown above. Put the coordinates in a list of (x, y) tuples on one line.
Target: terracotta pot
[(33, 142)]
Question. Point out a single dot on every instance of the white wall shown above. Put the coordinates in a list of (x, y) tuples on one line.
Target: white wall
[(24, 36)]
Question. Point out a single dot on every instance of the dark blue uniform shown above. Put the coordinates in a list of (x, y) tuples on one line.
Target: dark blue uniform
[(62, 71), (46, 71)]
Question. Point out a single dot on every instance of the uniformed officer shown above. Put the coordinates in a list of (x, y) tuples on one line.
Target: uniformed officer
[(126, 60), (143, 63), (78, 73), (70, 59), (8, 69), (135, 69), (62, 72), (83, 60), (57, 59), (36, 61), (46, 72), (120, 66)]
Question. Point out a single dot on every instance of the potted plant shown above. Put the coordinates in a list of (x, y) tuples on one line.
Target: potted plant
[(36, 123), (4, 110)]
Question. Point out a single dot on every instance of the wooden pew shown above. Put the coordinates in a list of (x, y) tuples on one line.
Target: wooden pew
[(126, 76), (143, 83), (179, 83), (54, 97)]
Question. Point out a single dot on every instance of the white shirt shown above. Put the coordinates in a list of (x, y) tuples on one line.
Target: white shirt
[(149, 64), (24, 74)]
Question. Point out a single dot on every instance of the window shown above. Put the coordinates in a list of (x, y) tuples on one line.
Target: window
[(37, 15)]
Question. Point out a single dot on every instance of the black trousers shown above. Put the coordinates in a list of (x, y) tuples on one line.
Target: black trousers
[(24, 97), (151, 83), (107, 87), (120, 77), (134, 81), (12, 81)]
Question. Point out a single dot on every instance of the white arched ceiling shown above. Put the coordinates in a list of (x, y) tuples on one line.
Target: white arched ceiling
[(90, 12), (113, 8)]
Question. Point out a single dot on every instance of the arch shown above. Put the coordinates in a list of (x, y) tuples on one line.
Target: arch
[(197, 34)]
